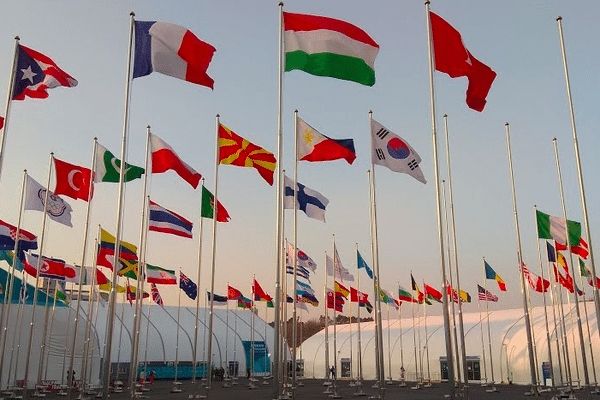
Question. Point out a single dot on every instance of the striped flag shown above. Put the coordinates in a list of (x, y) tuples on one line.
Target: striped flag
[(166, 221), (485, 295), (156, 296)]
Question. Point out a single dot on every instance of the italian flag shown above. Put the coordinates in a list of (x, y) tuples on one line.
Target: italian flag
[(329, 47)]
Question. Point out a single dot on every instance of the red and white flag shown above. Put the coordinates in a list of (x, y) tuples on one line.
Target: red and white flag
[(164, 158), (72, 180)]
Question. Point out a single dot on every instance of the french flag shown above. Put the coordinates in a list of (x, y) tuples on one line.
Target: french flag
[(163, 220), (164, 158), (171, 50)]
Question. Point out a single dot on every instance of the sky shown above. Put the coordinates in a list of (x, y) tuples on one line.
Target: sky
[(517, 39)]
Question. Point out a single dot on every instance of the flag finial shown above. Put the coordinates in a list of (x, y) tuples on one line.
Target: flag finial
[(559, 18)]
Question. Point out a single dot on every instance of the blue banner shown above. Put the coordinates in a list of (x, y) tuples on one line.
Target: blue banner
[(262, 364)]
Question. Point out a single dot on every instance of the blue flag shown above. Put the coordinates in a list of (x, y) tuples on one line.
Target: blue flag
[(551, 252), (362, 264), (218, 299), (189, 287)]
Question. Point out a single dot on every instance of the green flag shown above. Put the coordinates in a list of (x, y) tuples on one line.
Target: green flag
[(108, 167), (208, 202), (553, 228)]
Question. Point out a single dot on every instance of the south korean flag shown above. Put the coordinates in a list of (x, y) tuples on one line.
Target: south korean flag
[(390, 150)]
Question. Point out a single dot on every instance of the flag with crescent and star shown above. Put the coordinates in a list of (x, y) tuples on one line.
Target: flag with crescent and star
[(72, 180), (108, 168)]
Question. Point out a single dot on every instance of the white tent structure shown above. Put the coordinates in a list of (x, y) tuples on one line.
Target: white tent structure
[(509, 346), (232, 341)]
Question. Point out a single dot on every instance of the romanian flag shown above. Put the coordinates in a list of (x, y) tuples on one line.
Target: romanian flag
[(235, 150), (491, 274), (341, 290)]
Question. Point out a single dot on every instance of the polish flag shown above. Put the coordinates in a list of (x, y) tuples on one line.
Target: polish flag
[(164, 158)]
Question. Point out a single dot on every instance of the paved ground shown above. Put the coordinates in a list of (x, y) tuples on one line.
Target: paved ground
[(313, 389)]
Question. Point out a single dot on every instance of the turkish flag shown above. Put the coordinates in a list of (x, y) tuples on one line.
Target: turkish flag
[(453, 58), (72, 180)]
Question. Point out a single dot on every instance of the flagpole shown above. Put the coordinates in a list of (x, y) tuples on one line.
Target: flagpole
[(487, 314), (42, 347), (439, 208), (175, 388), (195, 349), (360, 367), (213, 260), (226, 378), (88, 322), (9, 95), (520, 260), (461, 325), (113, 293), (537, 235), (294, 323), (390, 347), (402, 370), (569, 244), (22, 298), (46, 359), (141, 273), (327, 324), (147, 333), (586, 221), (482, 335), (426, 346), (335, 394), (375, 290), (412, 307), (277, 382), (125, 298)]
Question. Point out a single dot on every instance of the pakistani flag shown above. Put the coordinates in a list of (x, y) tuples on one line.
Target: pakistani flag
[(553, 228), (108, 168)]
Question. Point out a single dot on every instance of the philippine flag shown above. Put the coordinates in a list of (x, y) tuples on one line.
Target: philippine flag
[(163, 220), (171, 50), (164, 158), (314, 146)]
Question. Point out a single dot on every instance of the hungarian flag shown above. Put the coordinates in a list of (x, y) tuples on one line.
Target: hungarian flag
[(233, 293), (108, 168), (72, 180), (314, 146), (235, 150), (259, 293), (432, 293), (35, 73), (164, 158), (208, 207), (324, 46), (453, 58)]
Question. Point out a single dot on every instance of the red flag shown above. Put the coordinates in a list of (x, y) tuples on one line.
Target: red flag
[(164, 158), (433, 293), (233, 293), (1, 122), (259, 293), (536, 282), (453, 58), (49, 268), (130, 296), (72, 180), (582, 250), (101, 279)]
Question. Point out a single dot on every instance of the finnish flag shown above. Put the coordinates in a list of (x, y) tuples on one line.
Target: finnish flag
[(310, 201)]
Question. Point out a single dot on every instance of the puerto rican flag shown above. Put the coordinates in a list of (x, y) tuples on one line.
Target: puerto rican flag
[(165, 221)]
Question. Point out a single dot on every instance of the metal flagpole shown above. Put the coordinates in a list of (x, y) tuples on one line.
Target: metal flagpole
[(234, 345), (426, 347), (359, 358), (481, 328), (147, 334), (520, 260), (88, 322), (9, 95), (586, 221), (37, 280), (439, 208), (553, 300), (461, 326), (350, 320), (335, 394), (141, 272), (213, 261), (375, 290), (565, 338), (226, 378), (252, 379), (195, 348), (42, 347), (67, 336), (487, 314), (176, 384), (295, 296), (421, 376), (415, 341), (586, 376), (573, 339), (402, 370), (390, 381), (326, 325), (6, 305), (266, 377), (537, 235), (204, 378), (587, 322), (125, 298), (277, 382), (20, 313), (46, 359), (113, 293)]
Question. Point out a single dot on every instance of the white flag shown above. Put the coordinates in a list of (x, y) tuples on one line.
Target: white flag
[(57, 209), (337, 270), (390, 150), (304, 259), (310, 201)]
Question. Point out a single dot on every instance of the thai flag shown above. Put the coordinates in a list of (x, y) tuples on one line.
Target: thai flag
[(163, 220)]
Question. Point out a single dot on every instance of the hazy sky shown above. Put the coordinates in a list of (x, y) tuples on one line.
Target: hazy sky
[(517, 39)]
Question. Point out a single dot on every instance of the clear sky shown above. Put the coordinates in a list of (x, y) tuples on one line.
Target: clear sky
[(517, 39)]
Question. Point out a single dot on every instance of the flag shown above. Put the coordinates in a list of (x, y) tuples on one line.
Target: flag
[(304, 287), (243, 302), (208, 207), (303, 259), (485, 295), (453, 58), (61, 293), (582, 250), (8, 233), (307, 298), (217, 299), (314, 146), (48, 267), (416, 289), (156, 295), (101, 279), (553, 228), (356, 296), (235, 150), (73, 274), (341, 290), (189, 287), (337, 270), (106, 248), (324, 46), (535, 282), (551, 252), (334, 301), (164, 158), (127, 268), (108, 168), (57, 209), (35, 73), (166, 221), (390, 150), (8, 256), (367, 305), (405, 295), (233, 293), (491, 274), (363, 264), (259, 293), (72, 180), (301, 304), (311, 202), (130, 296), (171, 50), (432, 293), (300, 271), (160, 275)]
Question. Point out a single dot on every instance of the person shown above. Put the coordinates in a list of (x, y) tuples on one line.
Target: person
[(402, 372), (70, 377), (142, 377), (152, 374), (248, 372), (333, 372)]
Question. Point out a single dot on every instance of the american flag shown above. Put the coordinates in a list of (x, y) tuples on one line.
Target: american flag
[(156, 296), (485, 295)]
